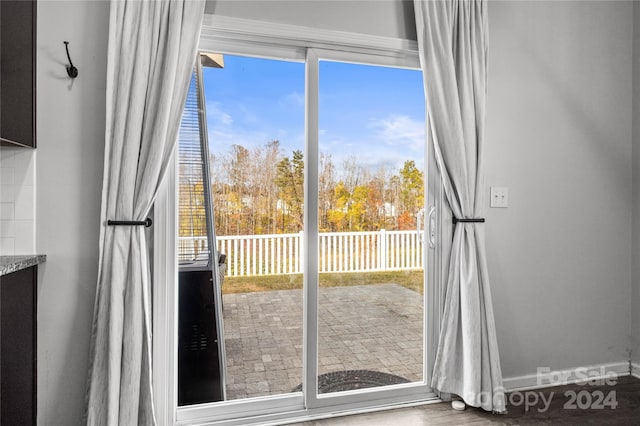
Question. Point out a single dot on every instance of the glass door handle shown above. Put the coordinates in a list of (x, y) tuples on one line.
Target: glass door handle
[(431, 227)]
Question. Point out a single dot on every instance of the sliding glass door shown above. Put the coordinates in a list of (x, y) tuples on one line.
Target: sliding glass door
[(319, 177), (370, 203), (366, 278), (254, 143)]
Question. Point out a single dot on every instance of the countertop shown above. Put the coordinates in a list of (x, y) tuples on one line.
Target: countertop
[(9, 264)]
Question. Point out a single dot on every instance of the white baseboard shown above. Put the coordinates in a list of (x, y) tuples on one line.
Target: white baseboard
[(635, 370), (547, 377)]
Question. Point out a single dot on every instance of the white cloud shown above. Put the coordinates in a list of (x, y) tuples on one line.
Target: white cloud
[(216, 115), (388, 143), (294, 98), (222, 138), (372, 156), (400, 130)]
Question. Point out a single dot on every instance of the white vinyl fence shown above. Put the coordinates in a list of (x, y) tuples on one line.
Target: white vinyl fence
[(338, 252)]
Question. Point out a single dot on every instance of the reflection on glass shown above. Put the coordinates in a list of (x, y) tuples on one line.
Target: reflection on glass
[(255, 124)]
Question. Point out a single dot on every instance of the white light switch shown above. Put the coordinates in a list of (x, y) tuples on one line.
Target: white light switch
[(499, 196)]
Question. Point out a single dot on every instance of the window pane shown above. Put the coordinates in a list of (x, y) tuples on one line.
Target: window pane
[(255, 119), (371, 199)]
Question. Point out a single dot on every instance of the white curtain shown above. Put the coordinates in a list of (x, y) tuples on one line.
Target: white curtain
[(452, 42), (152, 49)]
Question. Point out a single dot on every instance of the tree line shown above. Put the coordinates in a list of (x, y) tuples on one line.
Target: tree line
[(261, 191)]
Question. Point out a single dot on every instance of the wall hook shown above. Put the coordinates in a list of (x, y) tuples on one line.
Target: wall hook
[(71, 70)]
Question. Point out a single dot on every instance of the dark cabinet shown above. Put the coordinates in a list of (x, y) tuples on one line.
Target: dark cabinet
[(18, 72), (18, 347)]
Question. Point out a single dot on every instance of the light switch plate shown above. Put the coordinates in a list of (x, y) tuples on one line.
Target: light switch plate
[(499, 196)]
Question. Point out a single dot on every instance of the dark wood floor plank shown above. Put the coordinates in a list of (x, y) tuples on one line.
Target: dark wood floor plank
[(627, 412)]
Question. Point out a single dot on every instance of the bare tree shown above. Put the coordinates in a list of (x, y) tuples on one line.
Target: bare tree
[(326, 191)]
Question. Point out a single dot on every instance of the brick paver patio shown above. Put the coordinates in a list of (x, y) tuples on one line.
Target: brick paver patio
[(375, 327)]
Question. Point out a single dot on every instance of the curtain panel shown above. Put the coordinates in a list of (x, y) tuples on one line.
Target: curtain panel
[(453, 46), (151, 53)]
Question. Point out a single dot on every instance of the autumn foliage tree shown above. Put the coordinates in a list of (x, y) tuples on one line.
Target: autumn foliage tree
[(411, 194), (261, 191)]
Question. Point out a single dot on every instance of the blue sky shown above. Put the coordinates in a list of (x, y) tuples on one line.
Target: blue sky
[(372, 114)]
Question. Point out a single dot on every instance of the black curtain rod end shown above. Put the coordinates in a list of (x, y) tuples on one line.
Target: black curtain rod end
[(146, 223), (478, 220)]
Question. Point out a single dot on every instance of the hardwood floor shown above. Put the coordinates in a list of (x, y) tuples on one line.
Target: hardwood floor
[(561, 408)]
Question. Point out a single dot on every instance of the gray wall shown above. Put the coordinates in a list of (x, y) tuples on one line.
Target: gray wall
[(559, 136), (389, 18), (636, 187), (69, 179)]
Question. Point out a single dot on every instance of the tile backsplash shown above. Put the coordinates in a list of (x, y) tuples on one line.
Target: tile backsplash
[(17, 200)]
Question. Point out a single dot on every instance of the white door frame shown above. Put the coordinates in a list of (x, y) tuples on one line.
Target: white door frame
[(279, 41)]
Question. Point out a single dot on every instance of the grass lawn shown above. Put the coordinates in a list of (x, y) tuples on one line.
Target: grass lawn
[(413, 280)]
